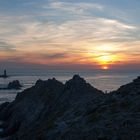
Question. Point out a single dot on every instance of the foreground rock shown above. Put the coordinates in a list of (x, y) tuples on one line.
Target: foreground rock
[(13, 85), (51, 110)]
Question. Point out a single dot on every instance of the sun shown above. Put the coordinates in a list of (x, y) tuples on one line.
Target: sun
[(106, 60), (105, 67), (105, 55)]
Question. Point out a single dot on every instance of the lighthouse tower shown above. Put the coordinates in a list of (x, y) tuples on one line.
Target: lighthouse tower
[(5, 73)]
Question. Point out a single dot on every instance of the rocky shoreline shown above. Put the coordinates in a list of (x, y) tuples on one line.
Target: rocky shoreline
[(51, 110)]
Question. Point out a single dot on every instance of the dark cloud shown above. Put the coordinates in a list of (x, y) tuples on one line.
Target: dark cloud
[(55, 55)]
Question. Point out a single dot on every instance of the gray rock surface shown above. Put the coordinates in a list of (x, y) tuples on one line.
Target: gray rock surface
[(51, 110)]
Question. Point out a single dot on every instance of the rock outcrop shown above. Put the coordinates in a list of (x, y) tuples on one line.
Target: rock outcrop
[(12, 85), (51, 110), (131, 88)]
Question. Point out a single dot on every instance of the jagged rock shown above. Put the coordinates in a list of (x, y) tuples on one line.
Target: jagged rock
[(131, 88), (51, 110), (2, 106), (14, 85)]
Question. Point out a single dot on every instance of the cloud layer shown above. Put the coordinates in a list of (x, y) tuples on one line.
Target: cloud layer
[(58, 32)]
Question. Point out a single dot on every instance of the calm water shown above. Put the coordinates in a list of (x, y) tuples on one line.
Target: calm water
[(105, 81)]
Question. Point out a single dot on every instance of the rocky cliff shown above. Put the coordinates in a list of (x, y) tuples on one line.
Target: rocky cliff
[(51, 110)]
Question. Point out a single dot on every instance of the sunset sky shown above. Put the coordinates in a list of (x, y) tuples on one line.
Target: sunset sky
[(98, 34)]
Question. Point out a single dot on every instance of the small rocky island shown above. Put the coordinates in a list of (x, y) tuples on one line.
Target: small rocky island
[(51, 110), (12, 85)]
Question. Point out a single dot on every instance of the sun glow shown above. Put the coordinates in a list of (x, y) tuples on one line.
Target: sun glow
[(106, 48), (106, 59), (105, 67), (105, 55)]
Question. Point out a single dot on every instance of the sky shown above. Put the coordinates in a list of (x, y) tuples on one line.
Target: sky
[(95, 34)]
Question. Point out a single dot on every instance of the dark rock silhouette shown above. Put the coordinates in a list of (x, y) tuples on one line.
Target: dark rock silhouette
[(131, 88), (51, 110), (12, 85)]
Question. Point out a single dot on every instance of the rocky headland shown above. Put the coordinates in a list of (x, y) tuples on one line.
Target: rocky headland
[(51, 110)]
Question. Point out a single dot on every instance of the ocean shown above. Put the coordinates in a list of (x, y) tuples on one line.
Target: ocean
[(105, 81)]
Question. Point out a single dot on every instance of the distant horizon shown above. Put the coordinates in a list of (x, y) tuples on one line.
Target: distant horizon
[(59, 70), (105, 80)]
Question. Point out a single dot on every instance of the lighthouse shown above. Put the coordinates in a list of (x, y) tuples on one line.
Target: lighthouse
[(5, 73)]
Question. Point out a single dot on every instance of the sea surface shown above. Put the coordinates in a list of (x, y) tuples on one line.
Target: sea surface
[(105, 81)]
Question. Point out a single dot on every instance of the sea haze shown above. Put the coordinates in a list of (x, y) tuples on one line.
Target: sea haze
[(103, 80)]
